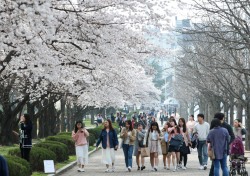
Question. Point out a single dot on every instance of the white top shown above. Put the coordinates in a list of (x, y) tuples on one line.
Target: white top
[(154, 135), (202, 130)]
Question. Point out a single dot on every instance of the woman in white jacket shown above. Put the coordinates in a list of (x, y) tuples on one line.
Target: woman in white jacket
[(152, 141)]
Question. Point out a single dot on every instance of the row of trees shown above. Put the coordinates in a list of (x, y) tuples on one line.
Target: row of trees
[(214, 70), (86, 54)]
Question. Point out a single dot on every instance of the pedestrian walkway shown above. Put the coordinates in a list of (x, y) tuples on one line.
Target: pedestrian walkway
[(96, 168)]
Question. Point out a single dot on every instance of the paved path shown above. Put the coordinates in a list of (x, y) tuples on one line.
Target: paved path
[(96, 168)]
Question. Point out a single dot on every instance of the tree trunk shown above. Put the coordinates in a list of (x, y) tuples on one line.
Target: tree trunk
[(31, 112), (226, 112), (231, 114), (239, 111), (63, 118), (247, 122), (191, 108)]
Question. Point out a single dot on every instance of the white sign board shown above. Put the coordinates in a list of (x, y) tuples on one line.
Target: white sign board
[(49, 166)]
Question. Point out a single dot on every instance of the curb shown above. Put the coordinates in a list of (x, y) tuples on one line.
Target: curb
[(68, 166)]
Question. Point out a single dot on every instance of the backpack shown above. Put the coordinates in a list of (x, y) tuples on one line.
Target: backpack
[(237, 147), (177, 141), (194, 141)]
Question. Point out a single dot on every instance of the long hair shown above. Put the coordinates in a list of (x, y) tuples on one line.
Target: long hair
[(110, 125), (79, 121), (175, 125), (130, 124), (27, 118), (173, 120), (155, 124), (184, 125)]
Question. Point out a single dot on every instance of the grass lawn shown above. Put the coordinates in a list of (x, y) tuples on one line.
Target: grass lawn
[(4, 149), (88, 124)]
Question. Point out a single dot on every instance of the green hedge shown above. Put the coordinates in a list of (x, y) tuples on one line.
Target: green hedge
[(37, 155), (65, 140), (91, 139), (18, 166), (65, 133), (60, 150)]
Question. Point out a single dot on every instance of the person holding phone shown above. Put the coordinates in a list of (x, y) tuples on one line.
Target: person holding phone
[(80, 135), (128, 135), (238, 130), (109, 140), (25, 136)]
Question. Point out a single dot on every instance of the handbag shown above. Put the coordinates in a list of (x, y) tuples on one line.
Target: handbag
[(140, 144), (211, 154), (145, 152)]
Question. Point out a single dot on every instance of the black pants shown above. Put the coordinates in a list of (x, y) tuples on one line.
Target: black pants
[(183, 156), (25, 153), (211, 172)]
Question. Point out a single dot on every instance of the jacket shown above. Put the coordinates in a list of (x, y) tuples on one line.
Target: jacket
[(26, 135), (132, 137), (113, 140)]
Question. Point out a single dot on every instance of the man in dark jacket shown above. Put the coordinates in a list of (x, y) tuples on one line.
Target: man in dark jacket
[(3, 167), (221, 117)]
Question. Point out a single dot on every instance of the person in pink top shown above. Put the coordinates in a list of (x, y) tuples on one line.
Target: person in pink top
[(80, 135)]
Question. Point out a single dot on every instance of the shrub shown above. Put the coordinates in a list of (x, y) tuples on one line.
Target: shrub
[(91, 139), (60, 150), (17, 169), (65, 133), (65, 140), (94, 132), (37, 156), (18, 166), (15, 152)]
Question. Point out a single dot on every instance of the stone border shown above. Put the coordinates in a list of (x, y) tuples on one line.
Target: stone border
[(68, 166)]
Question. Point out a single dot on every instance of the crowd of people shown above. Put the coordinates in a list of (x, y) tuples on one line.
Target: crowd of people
[(141, 137)]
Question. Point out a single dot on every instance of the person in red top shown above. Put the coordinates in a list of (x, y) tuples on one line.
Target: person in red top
[(80, 135)]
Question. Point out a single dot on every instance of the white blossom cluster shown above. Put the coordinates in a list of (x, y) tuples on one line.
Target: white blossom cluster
[(94, 50)]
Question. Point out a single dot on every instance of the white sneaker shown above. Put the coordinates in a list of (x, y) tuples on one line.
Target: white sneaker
[(82, 170), (107, 170), (183, 167), (129, 169), (201, 167), (152, 169), (79, 169), (165, 167), (174, 169), (113, 168)]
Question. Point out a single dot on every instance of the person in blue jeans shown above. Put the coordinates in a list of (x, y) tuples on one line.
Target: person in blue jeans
[(218, 138), (128, 135), (201, 129), (4, 171)]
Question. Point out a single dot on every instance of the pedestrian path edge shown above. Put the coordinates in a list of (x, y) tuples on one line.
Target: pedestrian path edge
[(68, 166)]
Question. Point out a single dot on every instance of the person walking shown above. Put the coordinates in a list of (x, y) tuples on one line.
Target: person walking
[(201, 129), (152, 140), (221, 117), (140, 134), (238, 129), (25, 136), (190, 125), (164, 146), (173, 150), (128, 135), (218, 138), (184, 150), (109, 140), (79, 135)]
